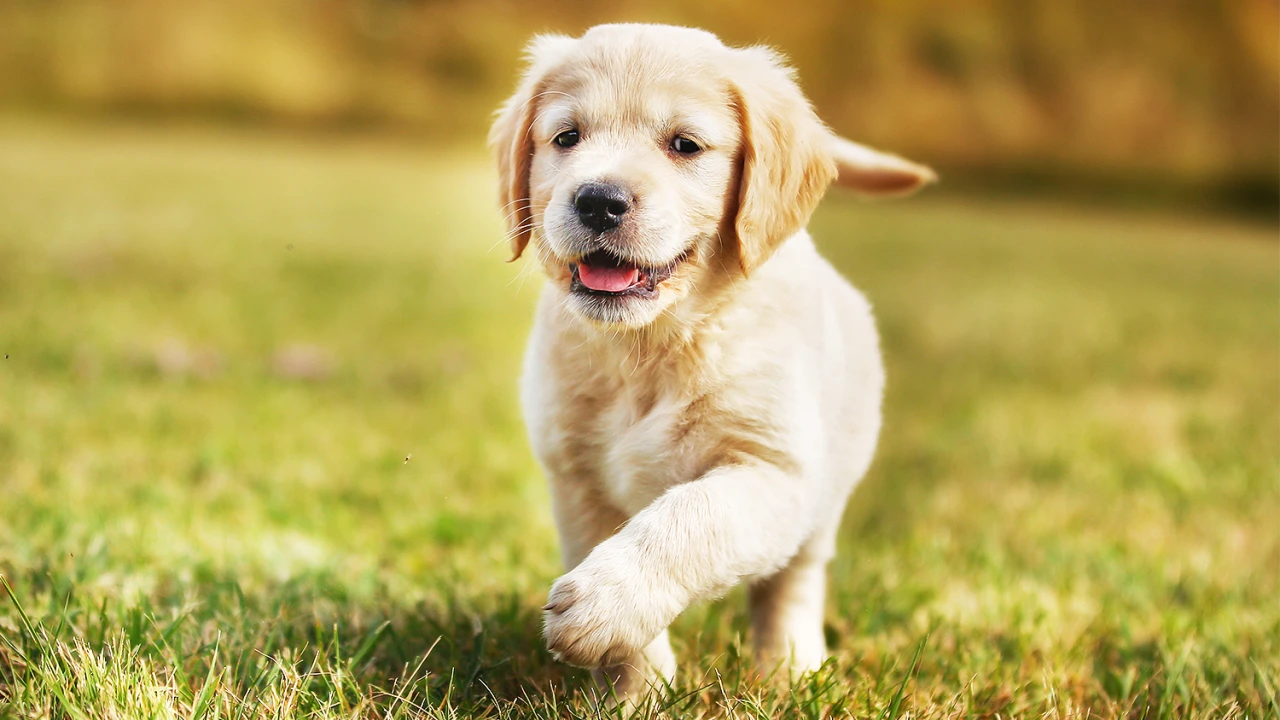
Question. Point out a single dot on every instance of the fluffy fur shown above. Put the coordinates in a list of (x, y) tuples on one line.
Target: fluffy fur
[(709, 432)]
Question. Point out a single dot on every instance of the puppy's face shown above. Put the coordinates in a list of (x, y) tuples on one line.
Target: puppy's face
[(648, 165), (630, 179)]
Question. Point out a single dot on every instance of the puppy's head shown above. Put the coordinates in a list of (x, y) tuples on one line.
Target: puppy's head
[(647, 165)]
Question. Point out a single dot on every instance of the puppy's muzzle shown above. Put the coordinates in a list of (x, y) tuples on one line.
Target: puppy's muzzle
[(600, 206)]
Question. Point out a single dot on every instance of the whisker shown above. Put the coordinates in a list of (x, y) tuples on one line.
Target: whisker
[(510, 235), (507, 207)]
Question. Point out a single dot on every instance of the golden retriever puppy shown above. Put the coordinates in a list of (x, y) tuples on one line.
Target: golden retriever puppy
[(701, 387)]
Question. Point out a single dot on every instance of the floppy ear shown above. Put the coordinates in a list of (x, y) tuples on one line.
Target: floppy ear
[(511, 140), (872, 173), (786, 162)]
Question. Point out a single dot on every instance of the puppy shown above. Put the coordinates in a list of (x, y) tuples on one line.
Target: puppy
[(701, 388)]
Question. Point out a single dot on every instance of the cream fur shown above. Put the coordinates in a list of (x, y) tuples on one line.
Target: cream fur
[(710, 434)]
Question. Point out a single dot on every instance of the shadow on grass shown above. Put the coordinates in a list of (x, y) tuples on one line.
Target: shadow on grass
[(309, 647), (309, 637)]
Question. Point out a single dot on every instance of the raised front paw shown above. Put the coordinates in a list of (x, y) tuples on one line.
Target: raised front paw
[(604, 611)]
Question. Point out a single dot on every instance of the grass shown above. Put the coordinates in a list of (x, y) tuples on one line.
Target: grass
[(260, 453)]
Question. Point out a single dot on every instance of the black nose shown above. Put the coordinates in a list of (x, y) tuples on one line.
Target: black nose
[(601, 206)]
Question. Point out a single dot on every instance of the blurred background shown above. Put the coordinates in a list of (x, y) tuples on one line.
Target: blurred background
[(1174, 100)]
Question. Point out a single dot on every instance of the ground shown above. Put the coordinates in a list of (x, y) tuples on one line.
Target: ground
[(261, 456)]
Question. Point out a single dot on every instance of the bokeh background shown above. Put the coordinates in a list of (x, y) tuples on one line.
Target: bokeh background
[(1172, 99), (260, 449)]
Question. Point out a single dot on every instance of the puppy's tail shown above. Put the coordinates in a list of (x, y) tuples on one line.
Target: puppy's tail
[(872, 173)]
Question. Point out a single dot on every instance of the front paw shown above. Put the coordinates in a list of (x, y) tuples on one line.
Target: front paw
[(604, 611)]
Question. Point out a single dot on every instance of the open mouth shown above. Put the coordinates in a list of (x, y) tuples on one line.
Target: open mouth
[(602, 273)]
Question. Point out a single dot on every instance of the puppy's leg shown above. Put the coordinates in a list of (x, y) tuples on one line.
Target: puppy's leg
[(697, 540), (584, 520), (786, 615)]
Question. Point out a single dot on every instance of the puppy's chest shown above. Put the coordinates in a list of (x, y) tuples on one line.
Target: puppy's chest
[(635, 447)]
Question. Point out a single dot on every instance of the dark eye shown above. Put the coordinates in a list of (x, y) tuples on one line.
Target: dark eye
[(567, 139), (685, 146)]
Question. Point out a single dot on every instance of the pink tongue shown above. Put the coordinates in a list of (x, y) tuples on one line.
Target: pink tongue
[(608, 279)]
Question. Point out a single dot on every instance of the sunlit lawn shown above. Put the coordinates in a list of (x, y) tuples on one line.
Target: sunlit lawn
[(260, 452)]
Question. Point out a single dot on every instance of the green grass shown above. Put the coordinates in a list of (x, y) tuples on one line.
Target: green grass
[(260, 453)]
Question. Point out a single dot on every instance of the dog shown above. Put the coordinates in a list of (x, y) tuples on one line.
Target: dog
[(700, 387)]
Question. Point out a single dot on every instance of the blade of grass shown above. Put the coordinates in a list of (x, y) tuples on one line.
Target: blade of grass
[(891, 712)]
